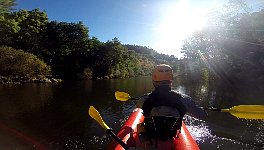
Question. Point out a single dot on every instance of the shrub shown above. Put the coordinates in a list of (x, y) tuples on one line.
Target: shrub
[(86, 74), (19, 63)]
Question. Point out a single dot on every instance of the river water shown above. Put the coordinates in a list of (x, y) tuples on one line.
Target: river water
[(55, 116)]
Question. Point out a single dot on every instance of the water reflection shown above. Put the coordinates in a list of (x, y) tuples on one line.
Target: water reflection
[(56, 115), (16, 99)]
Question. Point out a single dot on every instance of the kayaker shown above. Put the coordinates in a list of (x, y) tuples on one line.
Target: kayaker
[(163, 101)]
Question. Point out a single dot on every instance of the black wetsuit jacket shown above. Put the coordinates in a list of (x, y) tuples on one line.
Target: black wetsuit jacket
[(163, 96)]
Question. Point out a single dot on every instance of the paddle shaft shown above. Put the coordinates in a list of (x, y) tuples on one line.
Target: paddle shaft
[(212, 109), (118, 140), (96, 116), (133, 98)]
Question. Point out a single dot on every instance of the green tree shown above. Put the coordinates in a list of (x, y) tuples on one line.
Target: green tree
[(97, 57), (32, 24), (23, 30), (6, 6), (66, 48), (106, 57), (7, 26)]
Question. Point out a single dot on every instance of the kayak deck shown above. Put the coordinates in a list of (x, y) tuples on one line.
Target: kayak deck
[(128, 134)]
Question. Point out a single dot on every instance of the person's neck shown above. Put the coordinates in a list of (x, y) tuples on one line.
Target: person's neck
[(163, 88)]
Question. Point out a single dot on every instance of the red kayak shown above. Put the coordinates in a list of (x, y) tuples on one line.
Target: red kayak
[(128, 134)]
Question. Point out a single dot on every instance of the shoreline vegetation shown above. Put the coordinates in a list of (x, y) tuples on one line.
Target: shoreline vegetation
[(229, 50), (20, 80)]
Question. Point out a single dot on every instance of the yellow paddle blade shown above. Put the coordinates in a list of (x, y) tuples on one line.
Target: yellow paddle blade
[(122, 96), (96, 116), (246, 111)]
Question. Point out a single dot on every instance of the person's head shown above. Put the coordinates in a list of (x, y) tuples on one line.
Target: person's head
[(162, 75)]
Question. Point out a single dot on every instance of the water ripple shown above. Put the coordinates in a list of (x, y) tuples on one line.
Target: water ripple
[(202, 133)]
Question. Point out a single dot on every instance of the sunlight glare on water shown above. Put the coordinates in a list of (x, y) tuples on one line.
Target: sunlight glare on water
[(99, 142), (202, 134), (198, 129)]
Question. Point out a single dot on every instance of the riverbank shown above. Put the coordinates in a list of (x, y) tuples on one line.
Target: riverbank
[(27, 79)]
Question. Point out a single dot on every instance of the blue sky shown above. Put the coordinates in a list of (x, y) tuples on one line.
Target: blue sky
[(141, 22)]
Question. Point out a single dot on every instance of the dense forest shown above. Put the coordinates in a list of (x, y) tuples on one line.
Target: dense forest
[(229, 50)]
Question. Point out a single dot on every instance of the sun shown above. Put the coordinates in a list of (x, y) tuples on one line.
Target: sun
[(179, 22)]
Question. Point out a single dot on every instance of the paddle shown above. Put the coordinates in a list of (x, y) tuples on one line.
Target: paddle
[(122, 96), (240, 111), (243, 111), (96, 116)]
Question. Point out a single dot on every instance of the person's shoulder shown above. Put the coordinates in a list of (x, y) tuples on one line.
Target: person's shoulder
[(181, 94), (186, 99), (176, 93)]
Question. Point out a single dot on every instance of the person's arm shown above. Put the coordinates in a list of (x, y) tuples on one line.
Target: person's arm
[(192, 108), (141, 101)]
